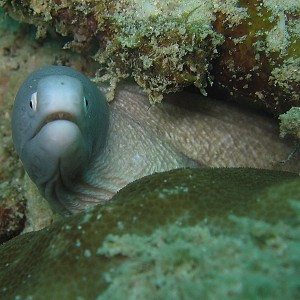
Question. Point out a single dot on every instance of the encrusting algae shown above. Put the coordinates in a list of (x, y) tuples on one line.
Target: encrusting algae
[(248, 48), (168, 236)]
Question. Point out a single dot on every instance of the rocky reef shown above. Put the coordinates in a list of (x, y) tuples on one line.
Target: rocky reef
[(244, 48), (168, 236)]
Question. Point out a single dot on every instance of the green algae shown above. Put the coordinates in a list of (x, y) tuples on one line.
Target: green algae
[(182, 234)]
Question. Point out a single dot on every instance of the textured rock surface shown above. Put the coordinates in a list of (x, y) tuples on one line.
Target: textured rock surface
[(249, 48), (185, 234)]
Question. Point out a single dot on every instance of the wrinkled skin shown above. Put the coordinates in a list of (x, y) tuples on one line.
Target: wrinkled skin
[(80, 152)]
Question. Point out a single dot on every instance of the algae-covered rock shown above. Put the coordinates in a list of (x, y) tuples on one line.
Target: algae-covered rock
[(290, 123), (182, 234), (260, 57), (248, 48), (162, 45)]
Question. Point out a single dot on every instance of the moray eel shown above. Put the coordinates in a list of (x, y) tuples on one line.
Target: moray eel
[(80, 151), (74, 150)]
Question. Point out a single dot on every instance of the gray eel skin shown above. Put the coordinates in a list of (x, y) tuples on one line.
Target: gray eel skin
[(80, 151), (64, 134)]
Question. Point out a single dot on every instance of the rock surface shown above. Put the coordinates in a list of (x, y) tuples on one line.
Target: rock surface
[(183, 234)]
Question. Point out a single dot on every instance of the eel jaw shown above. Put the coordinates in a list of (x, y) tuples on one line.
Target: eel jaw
[(64, 116)]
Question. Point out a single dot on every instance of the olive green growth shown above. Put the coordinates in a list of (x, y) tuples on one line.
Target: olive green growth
[(182, 234)]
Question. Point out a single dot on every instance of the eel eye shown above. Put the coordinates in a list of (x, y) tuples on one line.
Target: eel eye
[(86, 103), (33, 101)]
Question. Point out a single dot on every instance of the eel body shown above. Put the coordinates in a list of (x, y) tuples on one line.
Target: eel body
[(80, 151), (76, 150)]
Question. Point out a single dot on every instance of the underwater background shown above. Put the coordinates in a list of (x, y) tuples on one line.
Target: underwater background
[(180, 235)]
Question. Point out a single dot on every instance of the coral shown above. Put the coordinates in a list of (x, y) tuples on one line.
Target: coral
[(290, 123), (183, 234), (247, 48)]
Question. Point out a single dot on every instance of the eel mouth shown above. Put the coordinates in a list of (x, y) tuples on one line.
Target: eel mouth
[(57, 116)]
